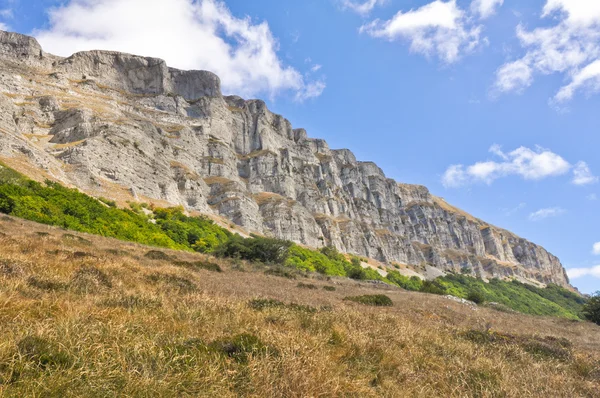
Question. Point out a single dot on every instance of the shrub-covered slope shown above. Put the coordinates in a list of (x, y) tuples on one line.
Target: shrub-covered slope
[(53, 204)]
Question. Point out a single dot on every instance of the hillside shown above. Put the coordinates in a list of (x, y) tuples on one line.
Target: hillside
[(130, 128), (84, 315), (52, 204)]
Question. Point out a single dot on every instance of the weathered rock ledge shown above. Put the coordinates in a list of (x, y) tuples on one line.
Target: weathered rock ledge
[(125, 127)]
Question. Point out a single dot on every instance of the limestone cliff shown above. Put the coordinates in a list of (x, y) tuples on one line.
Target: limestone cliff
[(130, 127)]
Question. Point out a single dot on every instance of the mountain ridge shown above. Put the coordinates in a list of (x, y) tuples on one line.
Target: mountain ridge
[(131, 128)]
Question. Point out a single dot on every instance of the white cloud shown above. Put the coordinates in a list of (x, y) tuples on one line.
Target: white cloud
[(188, 34), (530, 164), (514, 76), (485, 8), (576, 273), (439, 28), (362, 8), (546, 213), (311, 90), (587, 77), (582, 175), (592, 197), (316, 68), (596, 249), (516, 209), (570, 47), (3, 26)]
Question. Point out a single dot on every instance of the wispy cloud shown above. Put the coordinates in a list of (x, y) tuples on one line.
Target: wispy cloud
[(596, 249), (485, 8), (362, 8), (439, 28), (243, 53), (516, 209), (546, 213), (592, 197), (529, 164), (570, 47), (582, 175), (576, 273)]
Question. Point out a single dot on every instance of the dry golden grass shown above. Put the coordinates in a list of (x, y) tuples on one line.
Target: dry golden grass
[(85, 316)]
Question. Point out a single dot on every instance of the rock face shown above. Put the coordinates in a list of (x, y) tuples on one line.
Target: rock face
[(131, 128)]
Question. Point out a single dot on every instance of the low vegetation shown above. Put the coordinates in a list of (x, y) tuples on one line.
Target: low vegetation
[(119, 323), (591, 309), (53, 204), (376, 300)]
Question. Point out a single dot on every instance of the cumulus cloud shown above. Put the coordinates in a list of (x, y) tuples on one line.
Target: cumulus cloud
[(529, 164), (362, 8), (546, 213), (188, 34), (485, 8), (596, 249), (576, 273), (439, 28), (582, 175), (570, 47)]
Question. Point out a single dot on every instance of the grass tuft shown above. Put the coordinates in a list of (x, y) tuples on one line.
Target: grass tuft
[(44, 353), (376, 300)]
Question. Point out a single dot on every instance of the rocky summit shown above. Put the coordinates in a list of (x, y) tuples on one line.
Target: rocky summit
[(131, 128)]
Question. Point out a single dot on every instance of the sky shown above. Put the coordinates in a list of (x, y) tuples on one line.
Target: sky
[(493, 105)]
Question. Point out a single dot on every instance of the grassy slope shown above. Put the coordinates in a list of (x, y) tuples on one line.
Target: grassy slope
[(88, 316), (53, 204)]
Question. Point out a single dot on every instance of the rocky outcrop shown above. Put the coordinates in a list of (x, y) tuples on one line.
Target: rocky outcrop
[(130, 127)]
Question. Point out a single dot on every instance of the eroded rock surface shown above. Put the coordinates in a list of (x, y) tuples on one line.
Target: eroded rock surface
[(131, 128)]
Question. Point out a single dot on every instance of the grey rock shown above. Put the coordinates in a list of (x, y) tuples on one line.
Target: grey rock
[(130, 128)]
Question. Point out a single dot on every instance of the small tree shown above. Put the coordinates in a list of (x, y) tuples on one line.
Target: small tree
[(591, 309)]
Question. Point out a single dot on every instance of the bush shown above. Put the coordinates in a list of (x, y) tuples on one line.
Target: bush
[(591, 309), (433, 287), (377, 300), (264, 250), (413, 283), (476, 296)]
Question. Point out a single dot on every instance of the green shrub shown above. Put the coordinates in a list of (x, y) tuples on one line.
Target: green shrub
[(413, 283), (264, 250), (476, 296), (591, 309), (329, 288), (433, 287), (377, 300), (551, 301)]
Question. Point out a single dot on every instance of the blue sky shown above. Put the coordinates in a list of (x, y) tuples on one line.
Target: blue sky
[(494, 105)]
